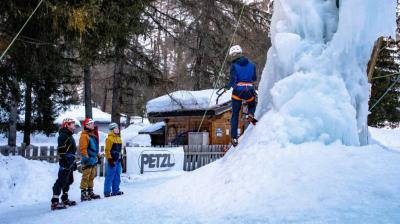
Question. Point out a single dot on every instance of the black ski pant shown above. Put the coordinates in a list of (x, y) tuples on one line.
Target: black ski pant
[(64, 180)]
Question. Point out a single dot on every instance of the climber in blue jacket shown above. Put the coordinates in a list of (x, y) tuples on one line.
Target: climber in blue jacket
[(243, 77)]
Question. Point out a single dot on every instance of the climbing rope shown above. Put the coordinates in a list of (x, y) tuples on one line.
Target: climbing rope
[(387, 91), (19, 32), (223, 65), (385, 76)]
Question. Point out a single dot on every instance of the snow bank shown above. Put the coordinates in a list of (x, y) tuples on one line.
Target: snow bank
[(77, 112), (387, 137), (187, 100), (131, 135), (307, 183), (315, 81), (26, 182)]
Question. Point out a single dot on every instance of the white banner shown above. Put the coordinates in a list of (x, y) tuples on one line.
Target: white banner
[(148, 159)]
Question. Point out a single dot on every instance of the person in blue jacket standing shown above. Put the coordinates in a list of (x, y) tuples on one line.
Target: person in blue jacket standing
[(243, 77), (113, 153)]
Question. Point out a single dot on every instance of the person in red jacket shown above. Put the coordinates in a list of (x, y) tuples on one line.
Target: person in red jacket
[(89, 147)]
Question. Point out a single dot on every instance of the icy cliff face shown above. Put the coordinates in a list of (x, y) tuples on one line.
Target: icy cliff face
[(314, 92), (315, 81)]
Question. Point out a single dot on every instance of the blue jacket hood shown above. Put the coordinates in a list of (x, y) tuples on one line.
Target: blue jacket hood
[(242, 61)]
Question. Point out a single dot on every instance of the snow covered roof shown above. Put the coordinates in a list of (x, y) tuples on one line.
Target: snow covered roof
[(152, 128), (77, 112), (187, 100)]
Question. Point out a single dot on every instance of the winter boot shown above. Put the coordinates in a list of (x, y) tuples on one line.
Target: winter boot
[(234, 142), (66, 201), (69, 202), (85, 196), (57, 206), (92, 195), (117, 193), (250, 118), (107, 195)]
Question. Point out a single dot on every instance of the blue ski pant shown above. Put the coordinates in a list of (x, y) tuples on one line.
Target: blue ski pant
[(113, 178), (239, 94)]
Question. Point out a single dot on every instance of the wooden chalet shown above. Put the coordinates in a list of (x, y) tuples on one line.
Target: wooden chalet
[(180, 124)]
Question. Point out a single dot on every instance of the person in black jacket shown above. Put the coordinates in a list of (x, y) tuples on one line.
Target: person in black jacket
[(66, 152)]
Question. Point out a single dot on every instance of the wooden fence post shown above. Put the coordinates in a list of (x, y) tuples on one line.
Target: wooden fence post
[(43, 153), (51, 156)]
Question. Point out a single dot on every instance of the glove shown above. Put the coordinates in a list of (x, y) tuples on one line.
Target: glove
[(92, 161), (85, 160), (111, 162)]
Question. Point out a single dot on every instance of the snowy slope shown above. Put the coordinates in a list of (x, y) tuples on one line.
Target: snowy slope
[(308, 183), (27, 182), (387, 137)]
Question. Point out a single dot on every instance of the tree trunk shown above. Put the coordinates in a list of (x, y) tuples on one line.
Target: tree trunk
[(87, 78), (12, 122), (28, 113), (116, 89), (104, 106), (128, 120)]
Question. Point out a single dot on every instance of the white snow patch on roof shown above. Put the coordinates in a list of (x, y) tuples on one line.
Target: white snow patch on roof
[(153, 127), (77, 112), (187, 100)]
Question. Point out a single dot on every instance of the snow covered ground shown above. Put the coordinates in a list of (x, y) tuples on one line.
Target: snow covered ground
[(302, 163), (129, 134), (307, 183), (386, 136)]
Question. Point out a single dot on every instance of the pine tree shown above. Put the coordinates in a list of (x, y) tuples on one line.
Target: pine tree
[(199, 32), (123, 21), (36, 61), (387, 112)]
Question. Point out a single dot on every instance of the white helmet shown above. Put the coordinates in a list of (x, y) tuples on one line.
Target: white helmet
[(112, 126), (235, 50), (67, 121)]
